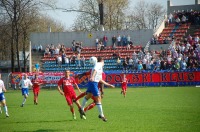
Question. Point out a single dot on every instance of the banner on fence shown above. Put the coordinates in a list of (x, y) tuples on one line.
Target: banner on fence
[(175, 78)]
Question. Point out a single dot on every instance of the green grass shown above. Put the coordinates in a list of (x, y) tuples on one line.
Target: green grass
[(160, 109)]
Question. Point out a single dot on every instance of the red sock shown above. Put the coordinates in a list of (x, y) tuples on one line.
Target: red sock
[(72, 110), (90, 106), (80, 96)]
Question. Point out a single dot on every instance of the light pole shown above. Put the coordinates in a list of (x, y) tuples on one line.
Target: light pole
[(101, 15)]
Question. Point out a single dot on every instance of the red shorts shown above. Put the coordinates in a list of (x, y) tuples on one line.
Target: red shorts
[(124, 88), (36, 90), (70, 97)]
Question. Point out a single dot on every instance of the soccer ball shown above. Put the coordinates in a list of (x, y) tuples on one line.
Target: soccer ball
[(93, 60)]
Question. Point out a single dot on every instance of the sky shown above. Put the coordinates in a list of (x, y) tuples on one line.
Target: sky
[(68, 18)]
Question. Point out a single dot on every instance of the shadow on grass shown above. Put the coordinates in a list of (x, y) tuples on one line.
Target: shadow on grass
[(42, 130), (41, 121)]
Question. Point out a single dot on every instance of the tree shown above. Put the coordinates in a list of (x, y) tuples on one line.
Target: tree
[(89, 18), (146, 15), (21, 16)]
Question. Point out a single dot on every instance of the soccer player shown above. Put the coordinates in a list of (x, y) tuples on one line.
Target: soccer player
[(36, 88), (25, 83), (101, 88), (67, 83), (124, 85), (2, 97), (95, 78)]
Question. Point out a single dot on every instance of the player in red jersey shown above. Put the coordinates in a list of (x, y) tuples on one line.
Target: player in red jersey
[(67, 83), (36, 87), (124, 85)]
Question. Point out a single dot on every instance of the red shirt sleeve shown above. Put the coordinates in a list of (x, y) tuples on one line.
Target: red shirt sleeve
[(60, 82)]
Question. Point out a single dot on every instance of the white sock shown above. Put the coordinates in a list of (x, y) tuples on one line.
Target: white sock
[(100, 109), (84, 103), (24, 101), (5, 109)]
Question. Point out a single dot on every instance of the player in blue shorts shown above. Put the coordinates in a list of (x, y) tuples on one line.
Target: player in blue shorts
[(25, 83), (2, 97), (95, 78)]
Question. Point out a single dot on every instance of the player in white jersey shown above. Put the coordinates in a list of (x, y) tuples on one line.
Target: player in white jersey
[(2, 97), (95, 78), (25, 83)]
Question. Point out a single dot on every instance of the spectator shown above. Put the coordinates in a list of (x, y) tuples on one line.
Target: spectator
[(170, 17), (73, 45), (183, 19), (105, 40), (119, 40), (128, 47), (196, 38), (47, 52), (83, 61), (59, 60), (125, 64), (114, 41), (73, 59), (118, 63), (37, 67), (139, 66), (63, 57), (177, 65), (128, 39), (40, 48), (178, 21), (56, 51), (183, 65), (130, 63), (97, 42), (67, 61), (52, 50), (124, 40), (114, 46)]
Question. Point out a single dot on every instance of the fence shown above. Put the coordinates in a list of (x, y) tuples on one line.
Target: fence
[(142, 78)]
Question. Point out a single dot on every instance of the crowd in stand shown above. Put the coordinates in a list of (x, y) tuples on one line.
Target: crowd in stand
[(124, 40), (178, 18), (60, 53), (181, 55)]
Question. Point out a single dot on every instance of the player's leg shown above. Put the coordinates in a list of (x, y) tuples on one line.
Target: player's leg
[(90, 106), (36, 98), (25, 94), (123, 91), (3, 102), (34, 93), (85, 99), (80, 96), (84, 102), (100, 109), (72, 111), (70, 103)]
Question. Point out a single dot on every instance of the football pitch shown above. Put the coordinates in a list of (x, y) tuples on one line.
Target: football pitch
[(155, 109)]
